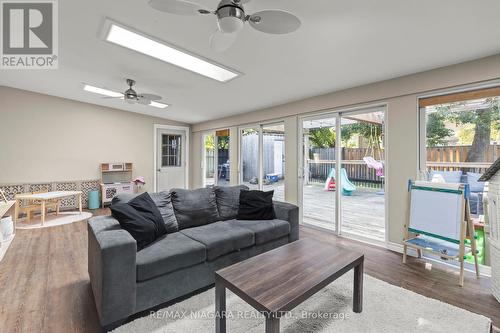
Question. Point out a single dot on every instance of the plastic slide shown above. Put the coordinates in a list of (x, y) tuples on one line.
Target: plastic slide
[(347, 186)]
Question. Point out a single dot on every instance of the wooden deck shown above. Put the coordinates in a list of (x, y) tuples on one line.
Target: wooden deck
[(363, 213)]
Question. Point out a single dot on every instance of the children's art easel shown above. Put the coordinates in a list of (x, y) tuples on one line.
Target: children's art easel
[(439, 217)]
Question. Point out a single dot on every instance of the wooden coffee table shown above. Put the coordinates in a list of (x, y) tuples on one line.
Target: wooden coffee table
[(277, 281)]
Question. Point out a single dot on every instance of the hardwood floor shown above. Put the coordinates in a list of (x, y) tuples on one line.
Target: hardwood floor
[(45, 285)]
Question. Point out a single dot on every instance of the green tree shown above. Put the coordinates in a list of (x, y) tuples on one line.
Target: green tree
[(322, 137), (437, 133), (486, 120)]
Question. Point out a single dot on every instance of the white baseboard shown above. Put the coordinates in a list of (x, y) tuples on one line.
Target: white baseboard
[(483, 270)]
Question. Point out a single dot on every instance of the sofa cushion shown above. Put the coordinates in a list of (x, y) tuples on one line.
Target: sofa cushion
[(194, 208), (228, 200), (221, 238), (474, 184), (256, 205), (168, 254), (162, 200), (448, 176), (264, 230)]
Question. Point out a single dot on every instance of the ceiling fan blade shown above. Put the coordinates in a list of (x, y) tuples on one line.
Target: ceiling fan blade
[(109, 97), (178, 7), (274, 22), (151, 97), (220, 41), (143, 101)]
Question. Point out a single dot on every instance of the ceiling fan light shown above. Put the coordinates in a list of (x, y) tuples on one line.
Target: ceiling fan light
[(230, 24)]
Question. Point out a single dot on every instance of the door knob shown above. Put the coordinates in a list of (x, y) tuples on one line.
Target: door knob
[(159, 170)]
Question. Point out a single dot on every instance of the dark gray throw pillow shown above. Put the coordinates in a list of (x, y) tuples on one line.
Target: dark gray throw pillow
[(228, 200), (162, 200), (194, 208), (256, 205), (141, 218)]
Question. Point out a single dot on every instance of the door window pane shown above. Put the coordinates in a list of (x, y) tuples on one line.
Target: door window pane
[(273, 156), (250, 158), (222, 138), (171, 150), (318, 187), (362, 175), (209, 160)]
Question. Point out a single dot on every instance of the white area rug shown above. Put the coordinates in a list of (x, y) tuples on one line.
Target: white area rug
[(4, 246), (386, 308), (52, 220)]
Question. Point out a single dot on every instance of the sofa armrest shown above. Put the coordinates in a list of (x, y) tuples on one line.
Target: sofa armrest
[(112, 269), (288, 212)]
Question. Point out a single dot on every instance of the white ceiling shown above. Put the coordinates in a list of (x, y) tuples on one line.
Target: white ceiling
[(340, 44)]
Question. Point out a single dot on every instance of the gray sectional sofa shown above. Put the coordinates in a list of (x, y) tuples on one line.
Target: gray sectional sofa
[(208, 238)]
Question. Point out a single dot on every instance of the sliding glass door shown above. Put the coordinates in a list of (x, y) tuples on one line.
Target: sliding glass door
[(347, 197), (262, 158), (215, 158)]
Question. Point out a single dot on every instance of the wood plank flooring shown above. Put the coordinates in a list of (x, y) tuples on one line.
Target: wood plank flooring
[(45, 285)]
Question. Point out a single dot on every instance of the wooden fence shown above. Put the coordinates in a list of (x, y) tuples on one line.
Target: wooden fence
[(447, 158)]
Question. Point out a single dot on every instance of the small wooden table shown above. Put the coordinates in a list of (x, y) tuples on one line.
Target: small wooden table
[(43, 197), (277, 281)]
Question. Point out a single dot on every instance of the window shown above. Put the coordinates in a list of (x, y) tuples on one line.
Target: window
[(459, 141), (171, 150)]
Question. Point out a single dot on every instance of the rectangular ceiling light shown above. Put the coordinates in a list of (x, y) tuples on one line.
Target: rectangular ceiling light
[(138, 42), (158, 105), (101, 91)]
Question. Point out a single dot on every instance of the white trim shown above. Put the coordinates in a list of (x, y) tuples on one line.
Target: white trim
[(461, 88), (187, 129)]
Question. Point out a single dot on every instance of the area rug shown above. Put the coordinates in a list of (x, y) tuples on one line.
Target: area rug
[(52, 220), (386, 308)]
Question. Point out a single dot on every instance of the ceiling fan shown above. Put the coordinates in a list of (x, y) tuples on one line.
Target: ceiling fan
[(131, 96), (231, 18)]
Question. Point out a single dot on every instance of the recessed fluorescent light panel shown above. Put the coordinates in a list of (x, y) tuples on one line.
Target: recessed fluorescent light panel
[(158, 105), (101, 91), (140, 43), (111, 93)]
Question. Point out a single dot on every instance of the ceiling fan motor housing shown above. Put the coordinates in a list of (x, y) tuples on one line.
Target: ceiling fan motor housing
[(130, 94), (230, 16)]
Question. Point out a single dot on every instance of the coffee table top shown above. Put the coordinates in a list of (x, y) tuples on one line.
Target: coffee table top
[(279, 280)]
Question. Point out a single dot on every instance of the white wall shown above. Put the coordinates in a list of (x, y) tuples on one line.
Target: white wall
[(401, 97), (45, 138)]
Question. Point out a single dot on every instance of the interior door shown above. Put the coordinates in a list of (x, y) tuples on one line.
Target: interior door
[(171, 159)]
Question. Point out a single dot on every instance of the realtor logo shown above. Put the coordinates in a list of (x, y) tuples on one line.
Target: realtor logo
[(29, 34)]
